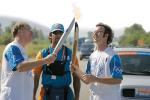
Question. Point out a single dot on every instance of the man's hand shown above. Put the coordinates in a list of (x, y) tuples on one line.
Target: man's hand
[(50, 58), (88, 78), (74, 67)]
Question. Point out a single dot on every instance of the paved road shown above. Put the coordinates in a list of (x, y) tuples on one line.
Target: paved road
[(84, 93)]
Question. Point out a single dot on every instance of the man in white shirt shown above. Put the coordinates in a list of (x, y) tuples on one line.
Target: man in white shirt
[(16, 77), (103, 73)]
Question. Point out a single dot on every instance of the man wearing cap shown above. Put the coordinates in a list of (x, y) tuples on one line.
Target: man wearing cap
[(56, 77)]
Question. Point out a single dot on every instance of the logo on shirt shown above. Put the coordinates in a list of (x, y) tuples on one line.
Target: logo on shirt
[(117, 69)]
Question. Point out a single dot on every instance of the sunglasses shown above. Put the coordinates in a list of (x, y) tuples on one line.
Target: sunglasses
[(57, 32)]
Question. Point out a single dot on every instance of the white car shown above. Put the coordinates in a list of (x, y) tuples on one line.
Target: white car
[(136, 73)]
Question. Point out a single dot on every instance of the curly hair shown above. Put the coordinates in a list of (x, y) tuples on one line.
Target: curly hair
[(18, 26), (108, 31)]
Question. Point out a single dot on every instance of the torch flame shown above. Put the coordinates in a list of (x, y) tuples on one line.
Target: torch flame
[(76, 11)]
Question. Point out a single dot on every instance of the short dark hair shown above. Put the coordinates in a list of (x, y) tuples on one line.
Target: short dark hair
[(108, 31), (17, 26)]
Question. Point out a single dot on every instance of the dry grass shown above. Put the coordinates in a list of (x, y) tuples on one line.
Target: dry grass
[(32, 49), (1, 51)]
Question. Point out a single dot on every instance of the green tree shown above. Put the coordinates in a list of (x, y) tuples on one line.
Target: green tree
[(6, 37), (132, 35), (135, 29), (147, 39), (1, 31), (37, 34)]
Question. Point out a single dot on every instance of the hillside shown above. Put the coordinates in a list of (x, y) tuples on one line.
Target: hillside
[(5, 21)]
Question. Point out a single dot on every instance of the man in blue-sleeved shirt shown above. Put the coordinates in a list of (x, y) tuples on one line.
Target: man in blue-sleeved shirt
[(103, 73), (16, 76)]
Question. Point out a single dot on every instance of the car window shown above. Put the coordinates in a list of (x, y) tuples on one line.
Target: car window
[(136, 64)]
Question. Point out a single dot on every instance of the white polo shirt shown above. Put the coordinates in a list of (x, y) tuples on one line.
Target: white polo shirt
[(15, 85), (104, 64)]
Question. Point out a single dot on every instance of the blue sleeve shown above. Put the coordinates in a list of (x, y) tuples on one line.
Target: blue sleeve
[(88, 69), (115, 67), (14, 57)]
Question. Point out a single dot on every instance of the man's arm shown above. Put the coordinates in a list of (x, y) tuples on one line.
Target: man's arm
[(109, 80), (88, 78), (28, 65), (106, 80)]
